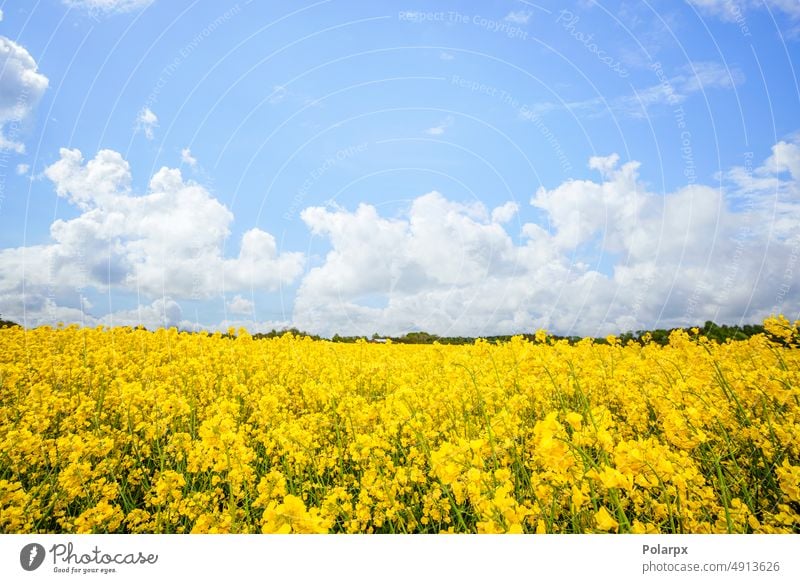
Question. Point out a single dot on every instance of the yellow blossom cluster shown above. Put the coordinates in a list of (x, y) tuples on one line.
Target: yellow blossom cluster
[(126, 430)]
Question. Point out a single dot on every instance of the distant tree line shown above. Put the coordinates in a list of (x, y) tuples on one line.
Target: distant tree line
[(259, 335), (712, 331), (6, 323), (716, 332), (278, 333)]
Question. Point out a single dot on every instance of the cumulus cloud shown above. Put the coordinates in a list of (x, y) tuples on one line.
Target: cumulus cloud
[(240, 305), (611, 255), (21, 88), (443, 267), (606, 255), (785, 158), (161, 313), (147, 122), (187, 158), (505, 213), (166, 242), (108, 6), (23, 169)]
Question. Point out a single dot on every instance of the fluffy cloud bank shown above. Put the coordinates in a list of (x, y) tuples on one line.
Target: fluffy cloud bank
[(608, 255), (21, 88), (615, 257), (166, 243)]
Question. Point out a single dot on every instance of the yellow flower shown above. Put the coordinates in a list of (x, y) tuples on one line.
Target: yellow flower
[(103, 517), (604, 520), (639, 527), (125, 430), (292, 516), (789, 477), (575, 420)]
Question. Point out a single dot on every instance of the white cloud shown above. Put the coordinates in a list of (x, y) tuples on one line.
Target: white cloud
[(442, 267), (453, 268), (162, 313), (607, 254), (187, 158), (604, 164), (166, 242), (108, 6), (21, 88), (440, 128), (699, 76), (23, 169), (518, 16), (785, 158), (688, 80), (727, 9), (240, 305), (505, 213), (733, 10), (445, 56), (695, 77), (1, 16), (146, 122)]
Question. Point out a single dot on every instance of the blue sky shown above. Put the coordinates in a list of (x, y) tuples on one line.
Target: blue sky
[(394, 166)]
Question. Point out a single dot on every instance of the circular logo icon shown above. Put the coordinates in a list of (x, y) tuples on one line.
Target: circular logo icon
[(31, 556)]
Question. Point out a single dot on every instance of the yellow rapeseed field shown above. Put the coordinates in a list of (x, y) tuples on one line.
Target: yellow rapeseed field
[(123, 430)]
